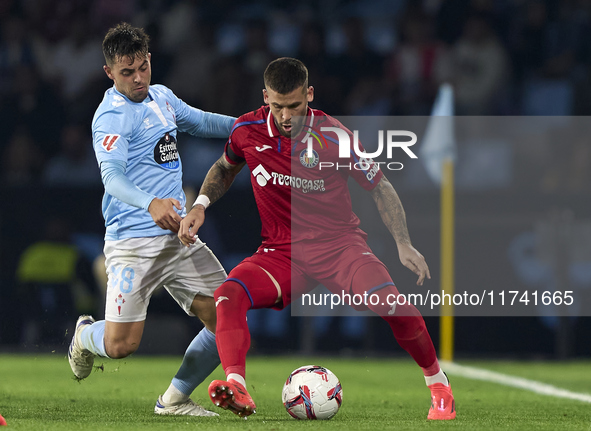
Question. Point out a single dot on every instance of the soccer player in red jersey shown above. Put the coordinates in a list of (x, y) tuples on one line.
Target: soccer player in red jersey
[(310, 233)]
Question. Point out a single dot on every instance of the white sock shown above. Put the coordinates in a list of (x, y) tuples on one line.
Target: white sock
[(440, 377), (238, 378), (174, 396)]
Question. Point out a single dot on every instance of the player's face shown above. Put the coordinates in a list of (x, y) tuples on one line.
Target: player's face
[(131, 76), (286, 106)]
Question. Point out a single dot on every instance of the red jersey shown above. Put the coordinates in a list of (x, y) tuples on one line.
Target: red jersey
[(299, 197)]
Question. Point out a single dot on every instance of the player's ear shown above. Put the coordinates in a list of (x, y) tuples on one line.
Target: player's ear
[(265, 96), (310, 95), (109, 72)]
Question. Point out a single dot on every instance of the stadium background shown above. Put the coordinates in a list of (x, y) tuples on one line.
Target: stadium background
[(507, 57)]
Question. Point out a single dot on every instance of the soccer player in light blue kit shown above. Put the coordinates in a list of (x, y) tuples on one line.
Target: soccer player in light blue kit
[(134, 132)]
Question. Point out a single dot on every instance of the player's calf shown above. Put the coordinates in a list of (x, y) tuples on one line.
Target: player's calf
[(122, 338)]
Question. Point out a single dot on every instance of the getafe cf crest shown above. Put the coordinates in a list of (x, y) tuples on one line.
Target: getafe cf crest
[(309, 161)]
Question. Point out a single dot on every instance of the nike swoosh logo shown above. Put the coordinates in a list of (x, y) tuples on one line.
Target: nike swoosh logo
[(263, 148)]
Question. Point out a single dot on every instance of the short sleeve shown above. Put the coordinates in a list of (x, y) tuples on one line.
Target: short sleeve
[(111, 132), (185, 116), (233, 150), (365, 171)]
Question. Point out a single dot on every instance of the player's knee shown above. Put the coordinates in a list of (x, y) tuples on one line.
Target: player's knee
[(228, 291), (120, 349), (204, 308), (209, 320)]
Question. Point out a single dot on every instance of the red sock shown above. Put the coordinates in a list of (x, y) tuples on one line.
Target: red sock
[(432, 370), (232, 335), (411, 333), (248, 286)]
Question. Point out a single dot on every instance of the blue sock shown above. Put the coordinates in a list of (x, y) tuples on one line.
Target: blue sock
[(200, 359), (93, 338)]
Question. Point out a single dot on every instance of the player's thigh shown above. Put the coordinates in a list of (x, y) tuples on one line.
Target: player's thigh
[(268, 278), (365, 278), (135, 269), (197, 273)]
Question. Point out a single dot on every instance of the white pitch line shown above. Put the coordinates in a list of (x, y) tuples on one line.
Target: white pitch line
[(514, 381)]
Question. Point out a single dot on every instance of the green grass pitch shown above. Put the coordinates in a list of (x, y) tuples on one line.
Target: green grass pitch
[(37, 392)]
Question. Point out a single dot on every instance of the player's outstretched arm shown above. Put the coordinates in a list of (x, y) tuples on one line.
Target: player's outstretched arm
[(393, 216), (217, 182)]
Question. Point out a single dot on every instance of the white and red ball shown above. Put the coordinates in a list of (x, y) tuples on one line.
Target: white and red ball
[(312, 392)]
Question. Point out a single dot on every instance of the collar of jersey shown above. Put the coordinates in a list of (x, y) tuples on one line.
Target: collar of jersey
[(274, 131)]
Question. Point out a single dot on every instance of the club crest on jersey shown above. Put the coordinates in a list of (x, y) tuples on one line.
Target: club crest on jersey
[(120, 301), (309, 161), (171, 110), (165, 152)]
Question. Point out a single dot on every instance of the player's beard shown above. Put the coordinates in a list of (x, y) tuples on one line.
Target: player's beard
[(139, 96), (296, 129)]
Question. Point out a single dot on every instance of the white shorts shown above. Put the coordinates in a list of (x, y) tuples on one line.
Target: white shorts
[(136, 267)]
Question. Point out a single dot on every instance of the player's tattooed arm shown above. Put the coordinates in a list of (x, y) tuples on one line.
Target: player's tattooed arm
[(391, 210), (219, 179), (393, 216)]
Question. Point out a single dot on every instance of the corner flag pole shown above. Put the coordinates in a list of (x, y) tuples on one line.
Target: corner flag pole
[(439, 153), (446, 318)]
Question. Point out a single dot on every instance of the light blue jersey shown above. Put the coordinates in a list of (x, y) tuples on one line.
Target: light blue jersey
[(143, 137)]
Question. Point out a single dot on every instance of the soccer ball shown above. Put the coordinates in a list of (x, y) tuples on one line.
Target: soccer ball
[(312, 392)]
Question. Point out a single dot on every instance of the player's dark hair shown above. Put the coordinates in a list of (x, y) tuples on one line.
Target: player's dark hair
[(285, 75), (124, 40)]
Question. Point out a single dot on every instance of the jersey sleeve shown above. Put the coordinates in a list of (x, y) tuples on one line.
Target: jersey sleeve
[(197, 122), (364, 170), (120, 187), (111, 133), (233, 149)]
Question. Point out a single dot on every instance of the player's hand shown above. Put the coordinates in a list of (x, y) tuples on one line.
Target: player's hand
[(163, 213), (413, 260), (191, 224)]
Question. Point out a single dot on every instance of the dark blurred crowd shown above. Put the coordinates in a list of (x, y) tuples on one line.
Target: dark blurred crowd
[(365, 57), (376, 57)]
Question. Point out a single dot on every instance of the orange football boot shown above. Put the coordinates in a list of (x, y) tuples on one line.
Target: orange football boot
[(443, 406), (232, 396)]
